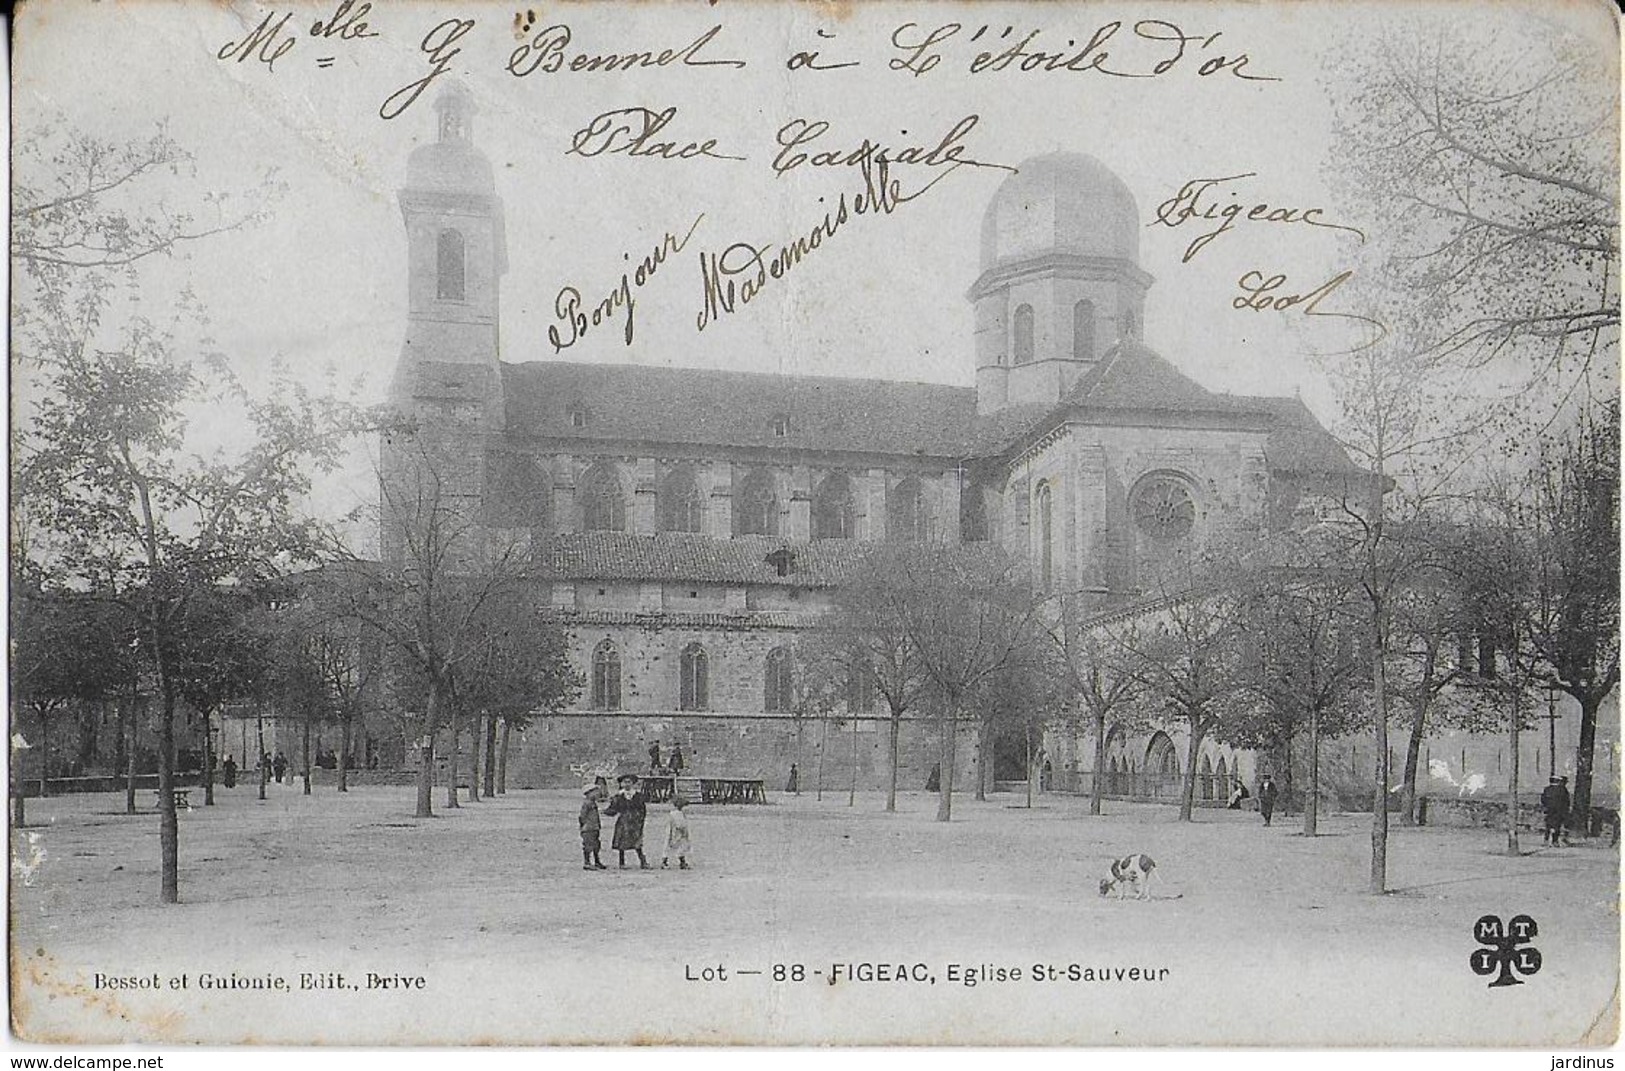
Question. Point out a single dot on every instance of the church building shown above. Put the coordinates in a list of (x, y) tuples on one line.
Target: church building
[(688, 524)]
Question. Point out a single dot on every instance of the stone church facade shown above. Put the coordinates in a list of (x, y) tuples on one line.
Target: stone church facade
[(688, 524)]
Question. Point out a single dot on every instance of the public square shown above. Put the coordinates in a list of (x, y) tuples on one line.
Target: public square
[(1265, 936)]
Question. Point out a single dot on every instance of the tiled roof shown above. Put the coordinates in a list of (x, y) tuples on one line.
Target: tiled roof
[(1136, 377), (1298, 442), (716, 408), (682, 556)]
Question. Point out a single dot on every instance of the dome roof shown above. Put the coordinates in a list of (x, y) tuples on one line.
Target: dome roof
[(449, 165), (1060, 203)]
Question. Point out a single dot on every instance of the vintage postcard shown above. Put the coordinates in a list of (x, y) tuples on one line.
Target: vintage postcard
[(1020, 524)]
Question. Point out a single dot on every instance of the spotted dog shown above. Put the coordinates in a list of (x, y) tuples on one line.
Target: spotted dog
[(1135, 870)]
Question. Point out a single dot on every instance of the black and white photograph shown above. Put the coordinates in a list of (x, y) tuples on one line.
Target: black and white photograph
[(1005, 524)]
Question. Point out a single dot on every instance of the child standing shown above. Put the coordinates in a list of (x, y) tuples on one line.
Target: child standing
[(676, 834), (591, 826), (629, 809)]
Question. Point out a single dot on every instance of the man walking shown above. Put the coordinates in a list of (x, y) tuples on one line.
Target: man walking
[(1267, 793), (1555, 802)]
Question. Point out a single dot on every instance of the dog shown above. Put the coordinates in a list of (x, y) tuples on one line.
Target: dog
[(1135, 870)]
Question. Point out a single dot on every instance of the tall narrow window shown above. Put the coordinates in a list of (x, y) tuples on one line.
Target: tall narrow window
[(833, 515), (1083, 331), (756, 507), (906, 513), (780, 698), (694, 691), (603, 507), (449, 266), (1046, 537), (680, 506), (1024, 333), (606, 677)]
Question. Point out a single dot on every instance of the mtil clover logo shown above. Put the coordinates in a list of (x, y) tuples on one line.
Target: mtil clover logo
[(1507, 949)]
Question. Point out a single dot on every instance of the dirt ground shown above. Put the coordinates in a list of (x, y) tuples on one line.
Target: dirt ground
[(1252, 935)]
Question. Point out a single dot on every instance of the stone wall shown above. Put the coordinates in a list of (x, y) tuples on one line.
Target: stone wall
[(560, 751)]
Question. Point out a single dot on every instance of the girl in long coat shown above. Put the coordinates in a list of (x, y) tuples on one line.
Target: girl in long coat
[(629, 809)]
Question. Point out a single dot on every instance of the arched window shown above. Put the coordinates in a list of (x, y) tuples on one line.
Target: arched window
[(681, 509), (1205, 781), (1083, 331), (1024, 333), (779, 699), (1162, 765), (833, 516), (906, 515), (1046, 537), (449, 266), (694, 691), (606, 677), (756, 507), (603, 506)]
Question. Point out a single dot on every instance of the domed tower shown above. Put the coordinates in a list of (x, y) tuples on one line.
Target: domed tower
[(448, 381), (1061, 281)]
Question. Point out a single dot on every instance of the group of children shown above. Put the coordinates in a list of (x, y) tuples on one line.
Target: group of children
[(630, 808)]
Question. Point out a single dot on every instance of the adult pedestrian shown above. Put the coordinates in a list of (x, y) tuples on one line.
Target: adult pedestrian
[(654, 757), (1555, 802), (1267, 795), (279, 766), (676, 760), (228, 769)]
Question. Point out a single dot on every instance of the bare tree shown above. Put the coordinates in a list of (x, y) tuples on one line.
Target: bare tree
[(1490, 156)]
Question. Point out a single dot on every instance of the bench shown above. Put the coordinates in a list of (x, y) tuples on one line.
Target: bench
[(181, 798)]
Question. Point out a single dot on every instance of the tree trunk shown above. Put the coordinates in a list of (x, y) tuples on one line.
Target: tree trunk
[(852, 786), (1512, 778), (208, 763), (984, 756), (1413, 758), (950, 726), (1584, 762), (44, 753), (1379, 706), (1311, 800), (129, 757), (263, 766), (475, 752), (1098, 779), (502, 760), (345, 742), (1187, 788), (891, 779), (823, 746), (305, 747), (425, 808), (1027, 739), (451, 763), (168, 826), (491, 756)]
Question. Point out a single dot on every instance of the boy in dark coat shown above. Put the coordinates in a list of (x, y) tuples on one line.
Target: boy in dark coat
[(591, 826), (629, 809)]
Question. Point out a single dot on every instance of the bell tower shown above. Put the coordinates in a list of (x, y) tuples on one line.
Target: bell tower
[(448, 380)]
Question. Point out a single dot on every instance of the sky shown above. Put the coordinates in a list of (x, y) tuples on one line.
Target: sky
[(320, 284)]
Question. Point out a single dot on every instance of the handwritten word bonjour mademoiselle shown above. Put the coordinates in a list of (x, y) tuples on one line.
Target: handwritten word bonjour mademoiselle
[(1151, 48)]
